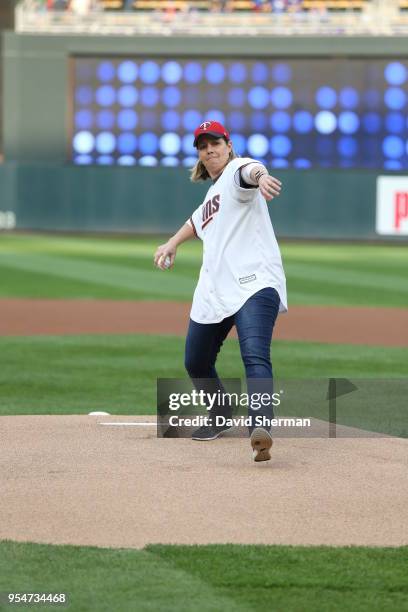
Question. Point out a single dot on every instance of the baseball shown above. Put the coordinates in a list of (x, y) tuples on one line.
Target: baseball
[(166, 263)]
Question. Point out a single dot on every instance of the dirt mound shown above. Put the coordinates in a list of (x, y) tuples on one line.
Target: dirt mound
[(72, 480)]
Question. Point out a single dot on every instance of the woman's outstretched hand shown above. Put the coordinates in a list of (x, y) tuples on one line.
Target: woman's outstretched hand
[(269, 186)]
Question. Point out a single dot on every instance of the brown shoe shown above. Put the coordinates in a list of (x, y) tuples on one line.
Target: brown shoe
[(261, 442)]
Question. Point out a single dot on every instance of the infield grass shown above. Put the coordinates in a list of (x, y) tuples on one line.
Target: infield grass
[(77, 374), (233, 578), (117, 374), (52, 266)]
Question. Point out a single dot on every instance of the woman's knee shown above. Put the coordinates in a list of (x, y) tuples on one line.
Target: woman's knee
[(191, 365), (256, 358), (257, 367), (196, 367)]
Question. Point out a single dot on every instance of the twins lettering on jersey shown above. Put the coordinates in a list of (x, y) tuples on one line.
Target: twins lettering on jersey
[(210, 208)]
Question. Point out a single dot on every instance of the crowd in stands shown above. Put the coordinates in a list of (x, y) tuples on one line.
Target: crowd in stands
[(83, 7), (325, 17)]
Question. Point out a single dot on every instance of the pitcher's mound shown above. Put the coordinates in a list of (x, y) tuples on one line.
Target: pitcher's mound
[(72, 480)]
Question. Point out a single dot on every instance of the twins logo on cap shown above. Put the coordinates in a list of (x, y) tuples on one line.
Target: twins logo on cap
[(213, 128)]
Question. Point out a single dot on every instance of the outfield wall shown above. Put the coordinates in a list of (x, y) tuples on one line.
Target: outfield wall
[(45, 192), (47, 197)]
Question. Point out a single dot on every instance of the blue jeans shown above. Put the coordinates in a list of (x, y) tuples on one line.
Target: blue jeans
[(254, 322)]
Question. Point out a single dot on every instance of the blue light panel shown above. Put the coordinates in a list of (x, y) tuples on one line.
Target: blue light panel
[(297, 113)]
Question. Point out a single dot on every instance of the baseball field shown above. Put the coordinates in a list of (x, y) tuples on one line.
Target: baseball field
[(100, 509)]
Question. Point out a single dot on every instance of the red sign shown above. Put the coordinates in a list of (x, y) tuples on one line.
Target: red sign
[(400, 208), (392, 206)]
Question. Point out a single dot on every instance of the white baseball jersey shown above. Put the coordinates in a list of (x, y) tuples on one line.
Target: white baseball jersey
[(240, 253)]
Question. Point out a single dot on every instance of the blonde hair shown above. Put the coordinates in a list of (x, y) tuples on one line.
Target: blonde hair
[(199, 172)]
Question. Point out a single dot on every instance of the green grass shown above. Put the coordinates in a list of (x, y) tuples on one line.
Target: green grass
[(121, 268), (77, 374), (232, 578)]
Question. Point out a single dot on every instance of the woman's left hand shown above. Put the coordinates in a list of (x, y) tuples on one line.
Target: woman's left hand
[(269, 186)]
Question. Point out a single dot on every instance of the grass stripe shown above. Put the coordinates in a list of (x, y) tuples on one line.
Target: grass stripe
[(340, 277), (300, 579), (310, 292), (344, 252), (303, 251), (122, 268), (101, 274), (77, 374), (108, 579), (211, 578)]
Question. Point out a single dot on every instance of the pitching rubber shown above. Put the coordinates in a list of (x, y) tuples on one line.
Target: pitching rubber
[(261, 442)]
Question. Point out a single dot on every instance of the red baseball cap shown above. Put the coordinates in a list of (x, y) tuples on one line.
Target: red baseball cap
[(213, 128)]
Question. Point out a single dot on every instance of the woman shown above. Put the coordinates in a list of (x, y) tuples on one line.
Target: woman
[(241, 282)]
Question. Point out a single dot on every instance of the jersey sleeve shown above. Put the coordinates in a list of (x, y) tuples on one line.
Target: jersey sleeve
[(242, 175), (194, 222), (243, 193)]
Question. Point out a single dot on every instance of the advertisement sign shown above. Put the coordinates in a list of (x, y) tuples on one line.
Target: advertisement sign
[(392, 205)]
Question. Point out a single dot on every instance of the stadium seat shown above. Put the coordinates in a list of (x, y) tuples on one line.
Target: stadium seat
[(112, 5), (239, 5), (176, 5), (334, 5)]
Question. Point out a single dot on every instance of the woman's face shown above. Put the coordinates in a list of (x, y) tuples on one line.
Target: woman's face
[(214, 153)]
